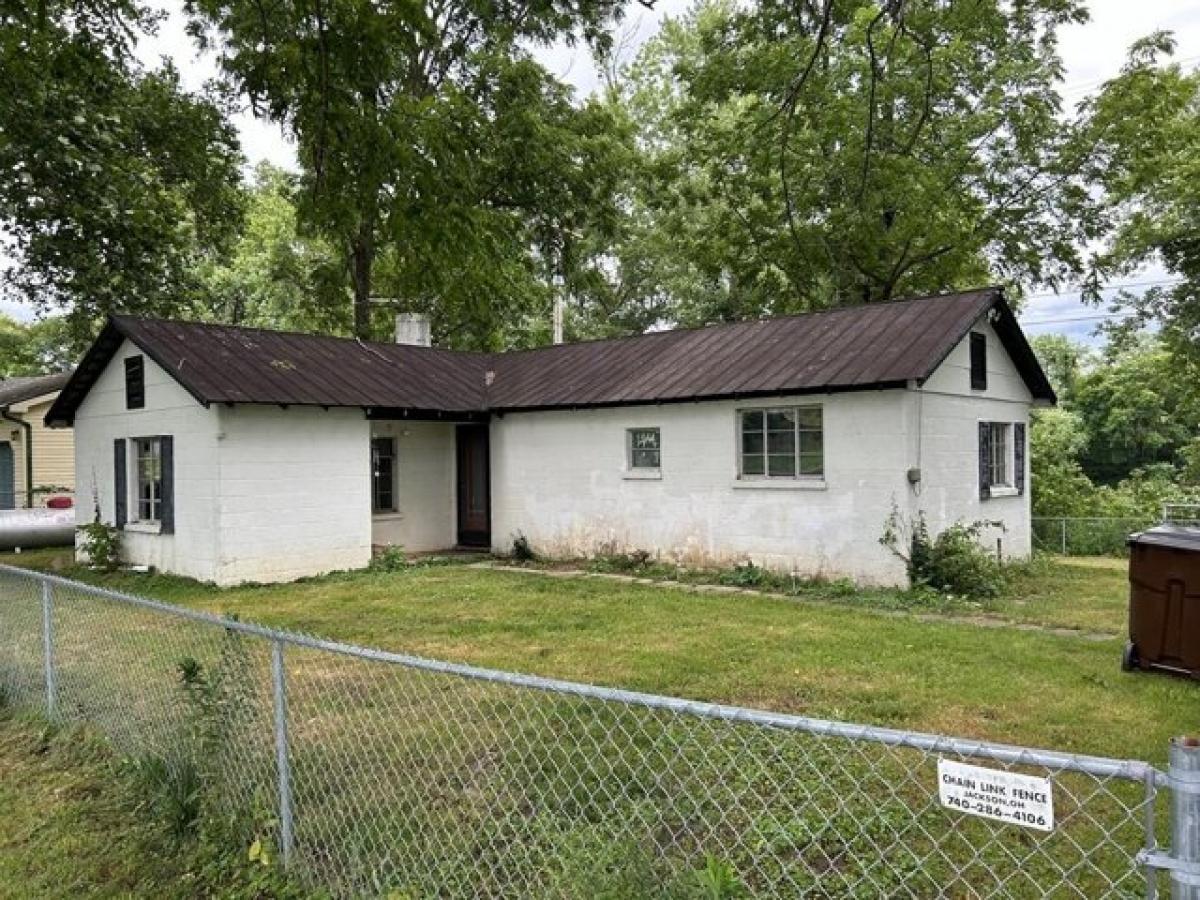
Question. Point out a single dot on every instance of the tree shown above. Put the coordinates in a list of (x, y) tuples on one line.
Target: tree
[(274, 277), (1145, 126), (38, 348), (810, 154), (1135, 409), (113, 180), (432, 146), (1064, 362)]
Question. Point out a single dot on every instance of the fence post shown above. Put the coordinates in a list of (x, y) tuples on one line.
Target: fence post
[(1183, 776), (48, 649), (1064, 537), (282, 765)]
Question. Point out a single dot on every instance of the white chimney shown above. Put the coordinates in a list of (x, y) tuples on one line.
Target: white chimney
[(413, 329)]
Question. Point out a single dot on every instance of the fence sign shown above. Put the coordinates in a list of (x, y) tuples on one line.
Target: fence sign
[(996, 794)]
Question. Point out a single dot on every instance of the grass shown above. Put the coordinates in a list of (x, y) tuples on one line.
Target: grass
[(455, 787), (70, 827), (828, 659)]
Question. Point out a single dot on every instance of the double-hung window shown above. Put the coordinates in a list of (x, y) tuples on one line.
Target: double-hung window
[(1001, 459), (644, 449), (148, 471), (781, 442), (1000, 456), (383, 474)]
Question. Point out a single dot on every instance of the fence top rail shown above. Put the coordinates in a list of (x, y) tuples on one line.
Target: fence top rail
[(1103, 767), (1092, 518)]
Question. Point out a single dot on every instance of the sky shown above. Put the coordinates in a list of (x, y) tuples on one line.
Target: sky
[(1091, 53)]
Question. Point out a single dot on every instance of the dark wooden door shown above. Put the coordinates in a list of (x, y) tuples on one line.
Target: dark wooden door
[(474, 487)]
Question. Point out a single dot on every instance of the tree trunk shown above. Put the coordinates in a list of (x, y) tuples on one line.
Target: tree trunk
[(362, 252)]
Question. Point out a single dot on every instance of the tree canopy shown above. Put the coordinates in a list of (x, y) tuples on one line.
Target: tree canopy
[(813, 154), (114, 182), (438, 158)]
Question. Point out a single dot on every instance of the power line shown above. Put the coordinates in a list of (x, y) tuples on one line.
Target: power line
[(1067, 290), (1060, 319)]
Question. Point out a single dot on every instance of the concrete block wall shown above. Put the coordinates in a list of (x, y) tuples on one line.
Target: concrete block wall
[(294, 495), (950, 414), (560, 479), (102, 418), (425, 487)]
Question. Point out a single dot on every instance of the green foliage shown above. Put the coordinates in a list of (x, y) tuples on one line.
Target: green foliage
[(34, 348), (1144, 128), (718, 880), (114, 181), (811, 155), (1122, 441), (951, 562), (275, 276), (392, 559), (521, 550), (444, 165), (102, 544), (173, 787)]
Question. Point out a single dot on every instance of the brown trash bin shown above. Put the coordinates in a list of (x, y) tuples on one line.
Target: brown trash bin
[(1164, 600)]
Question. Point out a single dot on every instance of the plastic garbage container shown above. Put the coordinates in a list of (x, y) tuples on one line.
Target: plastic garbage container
[(1164, 600)]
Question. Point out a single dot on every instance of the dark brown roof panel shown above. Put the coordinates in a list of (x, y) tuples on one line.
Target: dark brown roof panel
[(853, 348)]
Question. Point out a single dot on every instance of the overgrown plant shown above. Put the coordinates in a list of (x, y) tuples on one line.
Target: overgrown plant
[(521, 550), (953, 561), (101, 541), (102, 544)]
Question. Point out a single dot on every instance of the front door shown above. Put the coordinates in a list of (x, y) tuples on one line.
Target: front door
[(8, 498), (474, 488)]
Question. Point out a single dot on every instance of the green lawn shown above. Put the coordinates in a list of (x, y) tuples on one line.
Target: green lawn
[(828, 659), (70, 827)]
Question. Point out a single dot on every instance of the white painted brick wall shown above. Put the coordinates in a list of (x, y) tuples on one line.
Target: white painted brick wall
[(295, 492), (261, 493), (425, 487), (102, 418), (558, 477)]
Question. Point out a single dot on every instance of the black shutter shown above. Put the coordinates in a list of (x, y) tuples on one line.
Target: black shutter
[(120, 487), (1019, 456), (135, 382), (167, 512), (978, 362), (985, 459)]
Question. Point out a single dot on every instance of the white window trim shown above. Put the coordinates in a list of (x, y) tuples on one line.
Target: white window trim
[(133, 504), (999, 488), (641, 473), (777, 482), (143, 526)]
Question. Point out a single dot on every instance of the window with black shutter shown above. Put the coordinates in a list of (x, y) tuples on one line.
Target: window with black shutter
[(135, 382), (978, 362)]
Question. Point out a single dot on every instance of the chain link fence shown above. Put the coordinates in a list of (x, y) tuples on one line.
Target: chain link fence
[(381, 773), (1086, 536)]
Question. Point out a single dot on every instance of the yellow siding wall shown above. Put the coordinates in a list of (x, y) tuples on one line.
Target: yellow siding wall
[(53, 451)]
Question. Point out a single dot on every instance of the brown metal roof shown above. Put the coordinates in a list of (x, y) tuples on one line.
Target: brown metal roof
[(883, 345)]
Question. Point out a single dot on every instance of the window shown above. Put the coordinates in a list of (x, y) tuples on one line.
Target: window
[(978, 361), (148, 472), (1000, 455), (645, 448), (785, 442), (135, 382), (383, 474)]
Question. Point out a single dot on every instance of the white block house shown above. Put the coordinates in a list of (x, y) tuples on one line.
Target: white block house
[(233, 455)]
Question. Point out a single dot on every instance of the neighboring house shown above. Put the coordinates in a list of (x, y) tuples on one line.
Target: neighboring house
[(35, 462), (232, 454)]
